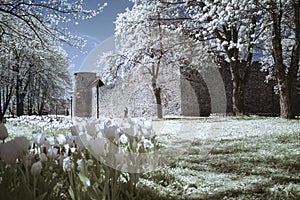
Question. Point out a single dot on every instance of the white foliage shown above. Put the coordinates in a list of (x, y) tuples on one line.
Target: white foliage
[(150, 36)]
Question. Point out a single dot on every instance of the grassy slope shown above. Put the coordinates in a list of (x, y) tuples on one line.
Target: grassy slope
[(259, 159)]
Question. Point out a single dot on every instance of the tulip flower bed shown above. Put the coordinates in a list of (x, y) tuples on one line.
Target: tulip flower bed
[(64, 160), (211, 158)]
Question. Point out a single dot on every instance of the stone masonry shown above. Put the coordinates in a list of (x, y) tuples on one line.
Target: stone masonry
[(188, 92), (82, 95)]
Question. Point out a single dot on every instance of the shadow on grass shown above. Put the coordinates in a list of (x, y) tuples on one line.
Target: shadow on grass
[(276, 160)]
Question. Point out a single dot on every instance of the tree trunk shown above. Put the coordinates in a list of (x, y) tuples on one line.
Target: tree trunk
[(41, 108), (238, 81), (20, 105), (19, 113), (20, 95), (1, 113), (238, 90), (158, 103), (286, 81), (238, 99), (29, 106), (285, 100), (5, 98), (157, 94)]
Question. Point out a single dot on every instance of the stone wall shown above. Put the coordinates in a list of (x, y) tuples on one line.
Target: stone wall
[(259, 95), (195, 95), (82, 94), (186, 92), (203, 91)]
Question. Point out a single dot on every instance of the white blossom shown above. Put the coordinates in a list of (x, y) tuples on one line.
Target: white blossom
[(123, 139), (67, 164), (61, 139), (148, 144)]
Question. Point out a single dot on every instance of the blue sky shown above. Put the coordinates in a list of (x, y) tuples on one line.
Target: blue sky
[(95, 30)]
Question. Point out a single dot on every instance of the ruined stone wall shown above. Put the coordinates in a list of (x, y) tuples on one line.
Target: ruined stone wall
[(259, 95), (202, 91), (195, 95), (200, 97), (82, 94), (187, 93)]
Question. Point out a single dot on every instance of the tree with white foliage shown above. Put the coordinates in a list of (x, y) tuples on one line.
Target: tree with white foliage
[(44, 18), (149, 40), (229, 29), (31, 33), (32, 74), (281, 48)]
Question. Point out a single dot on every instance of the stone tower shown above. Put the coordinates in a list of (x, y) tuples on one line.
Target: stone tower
[(82, 94)]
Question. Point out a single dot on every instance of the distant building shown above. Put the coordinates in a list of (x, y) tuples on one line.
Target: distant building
[(186, 92)]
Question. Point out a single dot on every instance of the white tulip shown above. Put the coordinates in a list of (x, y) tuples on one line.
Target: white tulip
[(67, 164), (3, 132), (36, 168), (128, 128), (50, 139), (22, 145), (92, 129), (9, 152), (70, 139), (89, 162), (61, 139), (52, 153), (148, 124), (148, 144), (79, 164), (39, 138), (109, 131), (97, 146), (123, 139), (43, 157)]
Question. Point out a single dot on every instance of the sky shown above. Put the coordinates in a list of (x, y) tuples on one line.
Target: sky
[(98, 32)]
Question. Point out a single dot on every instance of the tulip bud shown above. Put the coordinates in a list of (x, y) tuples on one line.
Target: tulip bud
[(52, 153), (36, 168), (3, 132), (43, 157), (9, 152)]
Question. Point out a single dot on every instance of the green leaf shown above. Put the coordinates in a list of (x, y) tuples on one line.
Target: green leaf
[(85, 180), (23, 192), (42, 196), (94, 193), (71, 193)]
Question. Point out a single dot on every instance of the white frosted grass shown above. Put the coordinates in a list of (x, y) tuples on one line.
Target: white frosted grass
[(44, 123), (227, 127), (180, 131), (26, 125), (177, 137)]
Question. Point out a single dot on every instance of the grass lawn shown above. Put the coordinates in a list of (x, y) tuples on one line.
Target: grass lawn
[(217, 158), (253, 158)]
